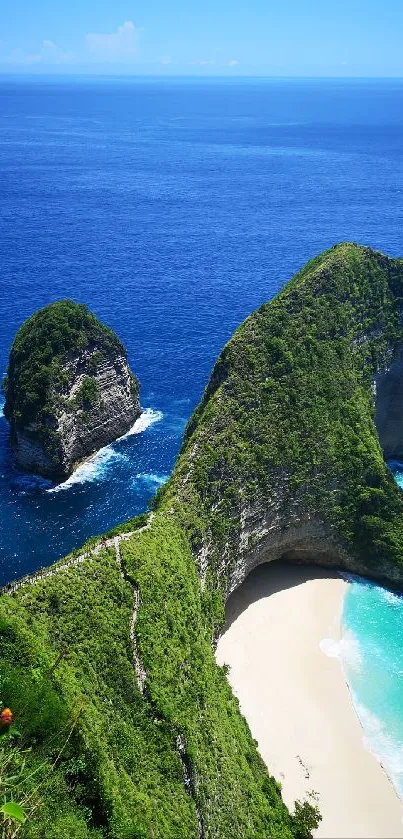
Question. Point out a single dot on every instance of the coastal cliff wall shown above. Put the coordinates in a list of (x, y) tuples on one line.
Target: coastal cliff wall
[(389, 407)]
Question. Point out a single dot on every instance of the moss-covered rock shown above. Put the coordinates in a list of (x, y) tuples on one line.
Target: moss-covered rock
[(68, 388)]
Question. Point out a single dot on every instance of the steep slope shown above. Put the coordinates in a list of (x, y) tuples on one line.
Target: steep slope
[(282, 458), (105, 755), (69, 390), (108, 661)]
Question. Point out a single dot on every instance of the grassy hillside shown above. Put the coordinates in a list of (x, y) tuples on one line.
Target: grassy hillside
[(101, 758), (93, 754)]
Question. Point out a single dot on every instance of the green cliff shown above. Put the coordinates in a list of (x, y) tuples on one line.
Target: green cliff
[(127, 726)]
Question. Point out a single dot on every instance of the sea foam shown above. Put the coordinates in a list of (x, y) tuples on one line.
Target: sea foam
[(147, 418), (95, 468), (374, 615), (346, 649), (151, 478), (386, 749)]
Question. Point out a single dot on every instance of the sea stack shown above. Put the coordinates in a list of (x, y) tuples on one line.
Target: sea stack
[(69, 389)]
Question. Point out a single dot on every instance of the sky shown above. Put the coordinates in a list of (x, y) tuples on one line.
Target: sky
[(209, 38)]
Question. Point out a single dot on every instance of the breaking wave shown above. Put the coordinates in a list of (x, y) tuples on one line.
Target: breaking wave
[(95, 468), (151, 479), (374, 615), (347, 649), (386, 748), (147, 418)]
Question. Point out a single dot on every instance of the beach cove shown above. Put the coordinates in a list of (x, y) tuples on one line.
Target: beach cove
[(278, 644)]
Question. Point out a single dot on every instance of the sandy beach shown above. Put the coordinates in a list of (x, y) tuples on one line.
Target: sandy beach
[(297, 702)]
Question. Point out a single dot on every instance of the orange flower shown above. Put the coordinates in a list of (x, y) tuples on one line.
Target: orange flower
[(6, 717)]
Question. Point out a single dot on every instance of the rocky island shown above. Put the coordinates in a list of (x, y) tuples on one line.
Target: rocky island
[(128, 728), (69, 390)]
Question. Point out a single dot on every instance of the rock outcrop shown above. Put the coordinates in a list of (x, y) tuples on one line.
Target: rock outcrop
[(69, 390)]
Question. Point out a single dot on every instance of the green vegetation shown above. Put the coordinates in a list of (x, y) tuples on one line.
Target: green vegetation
[(288, 414), (37, 364), (290, 404), (105, 757), (87, 393)]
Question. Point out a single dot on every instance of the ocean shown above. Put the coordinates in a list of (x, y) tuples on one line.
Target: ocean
[(173, 208), (371, 653)]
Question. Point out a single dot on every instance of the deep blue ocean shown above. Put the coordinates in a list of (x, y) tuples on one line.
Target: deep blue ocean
[(173, 209)]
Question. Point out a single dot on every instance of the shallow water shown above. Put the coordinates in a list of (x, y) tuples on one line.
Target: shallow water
[(372, 656)]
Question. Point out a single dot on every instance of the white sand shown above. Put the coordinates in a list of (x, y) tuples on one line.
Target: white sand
[(297, 703)]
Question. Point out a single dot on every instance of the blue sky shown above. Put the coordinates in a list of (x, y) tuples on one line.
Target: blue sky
[(216, 37)]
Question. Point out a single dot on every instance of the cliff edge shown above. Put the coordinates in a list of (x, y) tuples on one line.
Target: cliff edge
[(69, 390)]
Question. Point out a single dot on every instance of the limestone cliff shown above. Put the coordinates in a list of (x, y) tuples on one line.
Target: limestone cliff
[(69, 390)]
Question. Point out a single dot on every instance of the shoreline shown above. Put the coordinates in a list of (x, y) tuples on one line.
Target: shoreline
[(281, 625), (148, 417)]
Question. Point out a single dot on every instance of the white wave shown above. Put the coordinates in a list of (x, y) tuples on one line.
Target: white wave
[(351, 578), (96, 467), (93, 469), (152, 478), (147, 418), (1, 407), (346, 649), (381, 744), (392, 597)]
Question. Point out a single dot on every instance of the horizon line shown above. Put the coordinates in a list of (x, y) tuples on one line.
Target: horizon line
[(193, 76)]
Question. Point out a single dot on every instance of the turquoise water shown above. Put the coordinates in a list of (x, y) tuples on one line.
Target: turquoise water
[(372, 655)]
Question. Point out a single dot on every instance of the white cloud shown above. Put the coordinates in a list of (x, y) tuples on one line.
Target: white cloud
[(17, 56), (165, 59), (233, 63), (202, 62), (52, 54), (115, 46), (119, 46), (48, 53)]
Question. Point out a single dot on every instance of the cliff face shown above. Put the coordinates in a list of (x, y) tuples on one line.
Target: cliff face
[(69, 396), (388, 391)]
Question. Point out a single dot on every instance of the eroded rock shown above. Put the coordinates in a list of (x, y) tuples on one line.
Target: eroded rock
[(69, 389)]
